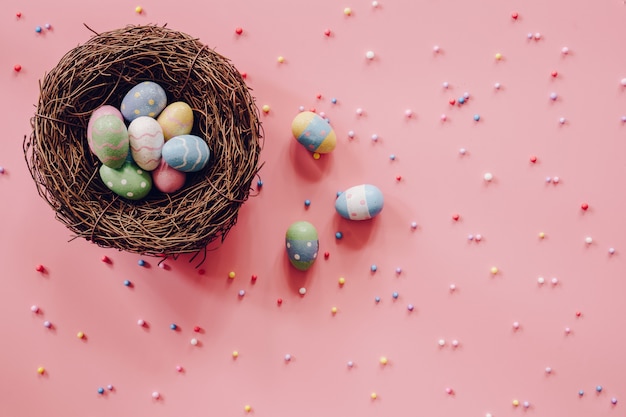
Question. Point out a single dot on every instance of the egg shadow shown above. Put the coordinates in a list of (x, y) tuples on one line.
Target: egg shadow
[(305, 165), (356, 233), (295, 278)]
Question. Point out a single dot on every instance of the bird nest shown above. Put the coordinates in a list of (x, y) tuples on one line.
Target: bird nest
[(101, 71)]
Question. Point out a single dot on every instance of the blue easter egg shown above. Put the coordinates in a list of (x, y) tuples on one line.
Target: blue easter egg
[(186, 153), (313, 132), (361, 202), (144, 99), (302, 244)]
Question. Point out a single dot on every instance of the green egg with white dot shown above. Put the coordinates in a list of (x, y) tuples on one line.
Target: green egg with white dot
[(129, 181), (302, 245)]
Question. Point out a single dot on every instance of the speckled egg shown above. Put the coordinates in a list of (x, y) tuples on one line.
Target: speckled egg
[(313, 132), (146, 142), (109, 140), (187, 153), (302, 244), (144, 99), (361, 202), (167, 179), (176, 119), (129, 181), (101, 111)]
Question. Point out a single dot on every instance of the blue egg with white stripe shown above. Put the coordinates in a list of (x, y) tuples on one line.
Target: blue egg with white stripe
[(186, 153), (361, 202)]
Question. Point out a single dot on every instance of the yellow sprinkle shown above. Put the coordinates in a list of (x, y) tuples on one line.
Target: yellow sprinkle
[(347, 11), (515, 403), (333, 310), (373, 396), (247, 408), (231, 275), (41, 370), (498, 56), (494, 270), (80, 335), (316, 155), (235, 354), (138, 9), (266, 108), (342, 280), (383, 360), (281, 59), (542, 235)]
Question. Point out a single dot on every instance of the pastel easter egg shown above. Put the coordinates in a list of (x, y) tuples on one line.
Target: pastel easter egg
[(361, 202), (302, 244), (109, 140), (144, 99), (167, 179), (313, 132), (146, 142), (187, 153), (129, 181), (176, 119), (101, 111)]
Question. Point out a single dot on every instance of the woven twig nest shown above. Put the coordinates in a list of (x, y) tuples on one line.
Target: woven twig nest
[(102, 71)]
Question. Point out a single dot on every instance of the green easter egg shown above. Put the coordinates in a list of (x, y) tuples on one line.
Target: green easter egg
[(129, 181)]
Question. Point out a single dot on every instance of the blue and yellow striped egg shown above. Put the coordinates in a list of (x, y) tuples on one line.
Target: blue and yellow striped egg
[(302, 244), (186, 153), (313, 132), (361, 202), (145, 99)]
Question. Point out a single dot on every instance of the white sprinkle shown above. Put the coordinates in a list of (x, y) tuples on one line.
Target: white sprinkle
[(370, 55)]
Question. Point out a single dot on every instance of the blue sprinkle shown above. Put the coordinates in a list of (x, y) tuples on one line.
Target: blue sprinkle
[(173, 326), (461, 100), (307, 203), (392, 157), (581, 393), (100, 390), (477, 117), (395, 295), (373, 268), (333, 100), (599, 388), (377, 299), (259, 183), (38, 29), (127, 283), (338, 235), (141, 262)]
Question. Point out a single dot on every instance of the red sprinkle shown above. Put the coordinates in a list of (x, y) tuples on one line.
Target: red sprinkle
[(578, 314), (452, 101), (279, 301), (40, 268), (253, 278), (105, 259), (533, 159), (17, 68), (554, 74), (455, 217), (238, 31), (318, 96), (18, 14), (584, 206), (313, 109), (514, 15), (197, 329), (326, 255), (244, 74), (398, 177), (327, 32)]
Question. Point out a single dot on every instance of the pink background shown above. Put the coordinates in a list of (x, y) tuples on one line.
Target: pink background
[(493, 365)]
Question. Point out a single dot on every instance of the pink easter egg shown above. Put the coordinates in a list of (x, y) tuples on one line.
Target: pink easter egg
[(167, 179), (100, 111)]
